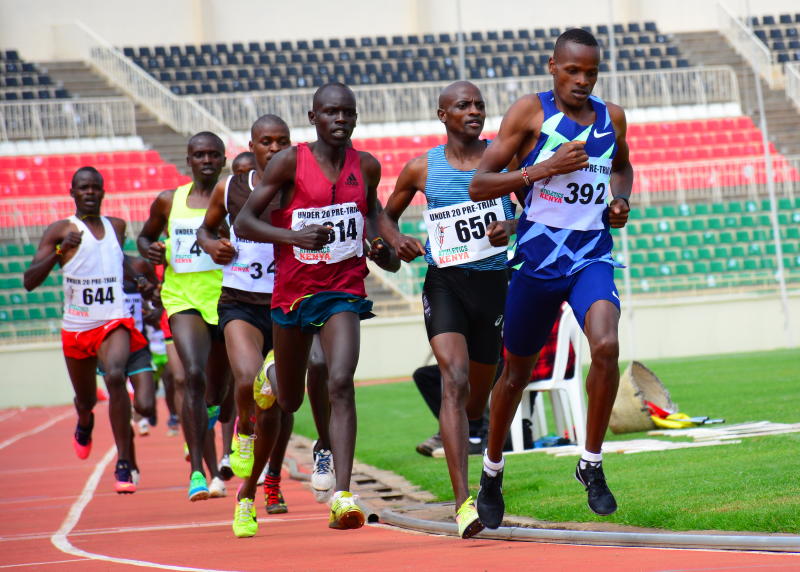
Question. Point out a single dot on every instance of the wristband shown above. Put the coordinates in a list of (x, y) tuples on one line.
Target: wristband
[(376, 239), (524, 171), (59, 252)]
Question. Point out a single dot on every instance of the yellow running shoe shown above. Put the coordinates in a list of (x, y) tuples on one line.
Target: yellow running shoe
[(467, 519), (345, 513), (245, 523), (262, 388), (241, 457)]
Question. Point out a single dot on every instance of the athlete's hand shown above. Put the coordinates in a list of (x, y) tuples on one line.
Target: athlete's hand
[(499, 232), (313, 237), (618, 211), (379, 252), (71, 241), (408, 248), (221, 251), (569, 157), (157, 253)]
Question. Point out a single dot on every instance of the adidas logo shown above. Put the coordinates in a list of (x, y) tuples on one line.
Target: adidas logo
[(351, 180)]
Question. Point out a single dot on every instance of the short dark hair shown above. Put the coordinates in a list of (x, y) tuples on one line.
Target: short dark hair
[(244, 156), (86, 169), (576, 36), (323, 88), (204, 134)]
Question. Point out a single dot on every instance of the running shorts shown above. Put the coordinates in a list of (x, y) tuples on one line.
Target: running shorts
[(311, 313), (257, 315), (84, 345), (138, 362)]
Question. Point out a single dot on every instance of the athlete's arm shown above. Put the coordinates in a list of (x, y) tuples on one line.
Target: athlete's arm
[(144, 275), (379, 251), (411, 179), (220, 249), (500, 231), (46, 256), (621, 171), (148, 241), (517, 134), (278, 177)]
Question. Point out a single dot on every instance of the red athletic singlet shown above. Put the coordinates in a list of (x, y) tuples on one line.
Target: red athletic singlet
[(340, 266)]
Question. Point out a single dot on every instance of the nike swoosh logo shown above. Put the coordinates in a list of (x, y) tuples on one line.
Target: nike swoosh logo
[(498, 320), (599, 135), (615, 295)]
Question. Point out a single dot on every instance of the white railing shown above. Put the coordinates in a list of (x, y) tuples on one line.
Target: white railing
[(749, 46), (181, 114), (67, 118), (792, 83), (418, 101)]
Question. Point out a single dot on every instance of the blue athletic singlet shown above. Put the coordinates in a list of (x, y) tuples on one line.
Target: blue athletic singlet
[(445, 187), (564, 226)]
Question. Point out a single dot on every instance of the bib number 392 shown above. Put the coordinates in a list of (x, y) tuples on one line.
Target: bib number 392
[(584, 193)]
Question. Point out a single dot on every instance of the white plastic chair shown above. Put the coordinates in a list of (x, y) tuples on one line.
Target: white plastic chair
[(566, 395)]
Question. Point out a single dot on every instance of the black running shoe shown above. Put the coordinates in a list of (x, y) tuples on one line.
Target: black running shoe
[(124, 478), (601, 501), (490, 503)]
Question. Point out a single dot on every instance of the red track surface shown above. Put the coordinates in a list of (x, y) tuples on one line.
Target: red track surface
[(43, 484)]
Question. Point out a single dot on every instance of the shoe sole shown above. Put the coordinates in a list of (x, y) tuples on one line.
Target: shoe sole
[(199, 495), (472, 529), (277, 509), (125, 488), (81, 451), (350, 521), (598, 513), (217, 494)]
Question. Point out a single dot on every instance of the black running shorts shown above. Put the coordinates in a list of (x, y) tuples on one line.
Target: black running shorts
[(256, 315), (468, 302)]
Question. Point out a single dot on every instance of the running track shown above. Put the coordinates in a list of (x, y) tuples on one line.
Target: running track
[(61, 514)]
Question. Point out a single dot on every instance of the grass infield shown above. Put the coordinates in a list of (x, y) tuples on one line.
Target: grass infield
[(751, 486)]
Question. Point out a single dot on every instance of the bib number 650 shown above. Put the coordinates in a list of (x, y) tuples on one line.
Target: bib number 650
[(474, 227)]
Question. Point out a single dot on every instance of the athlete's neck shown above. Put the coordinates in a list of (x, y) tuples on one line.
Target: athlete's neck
[(203, 185), (463, 152), (583, 114)]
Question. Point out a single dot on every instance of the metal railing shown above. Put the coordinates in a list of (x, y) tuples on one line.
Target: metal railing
[(181, 114), (418, 101), (749, 46), (792, 83), (67, 118)]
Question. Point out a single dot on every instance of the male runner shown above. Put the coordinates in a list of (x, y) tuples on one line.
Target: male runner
[(191, 288), (244, 162), (465, 286), (573, 153), (327, 192), (88, 247)]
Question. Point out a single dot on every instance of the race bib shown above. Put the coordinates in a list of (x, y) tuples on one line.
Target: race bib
[(346, 239), (94, 298), (457, 233), (574, 200), (133, 307), (253, 267), (186, 254)]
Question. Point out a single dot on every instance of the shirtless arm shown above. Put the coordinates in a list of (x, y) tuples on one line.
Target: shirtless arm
[(220, 249), (518, 132), (46, 257), (148, 241), (380, 252), (621, 171), (278, 178), (411, 179)]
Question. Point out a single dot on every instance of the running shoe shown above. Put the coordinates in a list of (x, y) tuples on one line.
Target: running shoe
[(273, 498), (491, 505), (469, 524), (124, 484), (198, 488), (322, 478), (600, 499), (136, 476), (217, 488), (225, 470), (213, 415), (262, 388), (241, 457), (82, 439), (428, 445), (345, 513), (245, 523), (173, 425), (144, 427)]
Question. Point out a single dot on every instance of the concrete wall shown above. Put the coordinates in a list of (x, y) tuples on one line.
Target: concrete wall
[(394, 347), (27, 25)]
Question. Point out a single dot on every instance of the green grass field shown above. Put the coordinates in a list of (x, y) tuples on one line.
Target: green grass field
[(751, 486)]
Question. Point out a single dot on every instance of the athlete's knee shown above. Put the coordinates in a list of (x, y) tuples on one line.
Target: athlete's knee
[(115, 377), (341, 389), (514, 382), (455, 389), (144, 407), (86, 402), (605, 350), (196, 376), (290, 404)]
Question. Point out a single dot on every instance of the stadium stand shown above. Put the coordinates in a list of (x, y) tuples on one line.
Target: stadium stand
[(22, 81), (781, 35)]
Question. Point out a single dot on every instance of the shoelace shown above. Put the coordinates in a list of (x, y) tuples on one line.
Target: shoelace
[(323, 461), (273, 494), (246, 446), (244, 515)]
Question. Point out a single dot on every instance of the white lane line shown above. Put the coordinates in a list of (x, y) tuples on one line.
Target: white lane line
[(5, 416), (35, 430), (42, 563), (60, 540)]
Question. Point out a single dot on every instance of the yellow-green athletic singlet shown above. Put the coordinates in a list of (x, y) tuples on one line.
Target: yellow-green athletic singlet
[(191, 279)]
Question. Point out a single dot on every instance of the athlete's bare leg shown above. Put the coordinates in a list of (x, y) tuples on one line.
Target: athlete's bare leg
[(144, 398), (341, 339), (317, 387), (281, 442), (178, 376), (113, 353), (291, 356), (82, 374), (244, 344), (601, 327)]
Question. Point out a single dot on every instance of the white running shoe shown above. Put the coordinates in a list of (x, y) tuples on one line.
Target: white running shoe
[(144, 427), (262, 476), (217, 488), (322, 478)]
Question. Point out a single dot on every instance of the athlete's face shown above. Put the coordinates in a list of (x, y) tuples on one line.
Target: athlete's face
[(267, 140), (206, 158), (243, 165), (574, 68), (464, 111), (87, 191), (334, 116)]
